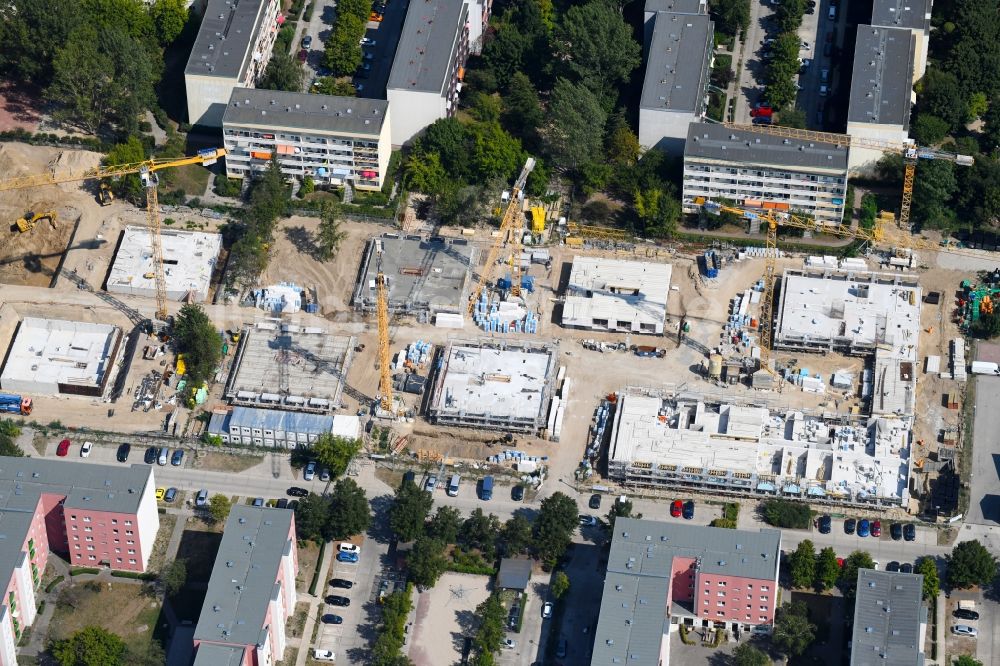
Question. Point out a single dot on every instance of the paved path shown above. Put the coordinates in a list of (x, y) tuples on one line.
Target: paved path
[(311, 616)]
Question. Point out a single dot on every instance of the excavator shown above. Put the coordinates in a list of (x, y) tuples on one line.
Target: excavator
[(105, 196), (31, 218)]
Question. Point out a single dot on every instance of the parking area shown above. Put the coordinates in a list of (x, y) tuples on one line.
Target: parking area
[(585, 566), (382, 38)]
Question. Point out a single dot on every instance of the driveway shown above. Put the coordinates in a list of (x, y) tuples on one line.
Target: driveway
[(386, 36), (984, 502)]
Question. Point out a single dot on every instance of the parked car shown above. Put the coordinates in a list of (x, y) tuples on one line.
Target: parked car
[(966, 614), (336, 600), (365, 41), (864, 528), (150, 457), (341, 583), (375, 16), (964, 630), (849, 526), (688, 510), (310, 472), (202, 498), (160, 492), (588, 521), (351, 558), (409, 476), (909, 532), (349, 548), (547, 610), (509, 643), (307, 41), (295, 491), (86, 449), (324, 474), (170, 495), (63, 448), (323, 655), (896, 531), (177, 458), (258, 501), (676, 508), (431, 483), (369, 55), (877, 528), (123, 451), (282, 503), (162, 456), (517, 493), (825, 523), (595, 501), (561, 649), (905, 567), (330, 618)]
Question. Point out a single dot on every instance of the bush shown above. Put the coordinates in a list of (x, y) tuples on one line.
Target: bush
[(84, 570), (786, 513), (55, 581), (315, 579), (684, 635), (731, 511), (145, 126), (724, 523), (309, 12)]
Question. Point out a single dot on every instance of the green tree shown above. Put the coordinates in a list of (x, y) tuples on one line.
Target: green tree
[(342, 53), (148, 654), (786, 513), (480, 531), (311, 515), (933, 189), (991, 125), (554, 526), (424, 173), (621, 145), (174, 577), (928, 129), (283, 73), (31, 36), (802, 564), (793, 117), (988, 326), (658, 210), (198, 340), (594, 44), (485, 107), (334, 452), (966, 660), (515, 538), (308, 186), (452, 141), (792, 630), (219, 507), (9, 432), (849, 572), (747, 655), (971, 564), (495, 154), (329, 235), (349, 513), (620, 509), (978, 198), (978, 104), (560, 584), (942, 96), (426, 561), (491, 632), (731, 16), (328, 85), (571, 136), (445, 525), (789, 15), (522, 110), (409, 512), (169, 17), (91, 646), (129, 186), (827, 569), (927, 567)]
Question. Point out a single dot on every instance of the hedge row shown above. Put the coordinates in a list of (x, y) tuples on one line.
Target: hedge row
[(84, 570)]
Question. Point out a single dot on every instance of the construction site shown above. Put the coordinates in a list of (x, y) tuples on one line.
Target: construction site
[(617, 295), (189, 260)]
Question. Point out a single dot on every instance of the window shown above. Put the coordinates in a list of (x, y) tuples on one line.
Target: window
[(131, 551), (72, 516), (92, 557), (720, 594), (763, 608), (86, 519), (130, 542), (721, 583), (127, 523), (77, 546), (119, 561), (764, 588), (90, 548), (129, 532), (90, 538), (763, 598), (76, 538), (720, 613), (88, 529), (114, 521), (720, 604), (706, 602), (118, 550), (75, 528), (706, 593), (131, 561), (762, 618)]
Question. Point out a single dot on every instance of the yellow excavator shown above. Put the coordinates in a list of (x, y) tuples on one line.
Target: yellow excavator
[(105, 196), (30, 219)]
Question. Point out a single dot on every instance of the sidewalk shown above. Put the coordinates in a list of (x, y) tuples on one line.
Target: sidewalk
[(324, 568)]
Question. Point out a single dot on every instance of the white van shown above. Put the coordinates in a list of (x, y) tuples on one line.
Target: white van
[(164, 455), (833, 14), (453, 485)]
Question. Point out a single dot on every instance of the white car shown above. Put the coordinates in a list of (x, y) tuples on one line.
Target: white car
[(547, 610), (509, 643), (964, 630), (365, 41), (85, 449), (350, 548), (323, 655)]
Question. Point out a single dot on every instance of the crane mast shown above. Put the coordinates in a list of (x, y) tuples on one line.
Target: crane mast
[(382, 308)]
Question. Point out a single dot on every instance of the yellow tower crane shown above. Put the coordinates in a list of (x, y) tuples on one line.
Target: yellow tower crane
[(382, 309), (147, 172), (512, 224), (910, 151)]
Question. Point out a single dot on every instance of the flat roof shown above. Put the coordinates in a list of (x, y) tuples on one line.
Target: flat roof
[(502, 380), (677, 65), (632, 624), (189, 259), (708, 141), (429, 38), (676, 6), (50, 352), (228, 29), (620, 290), (243, 578), (888, 613), (423, 274), (882, 80), (116, 488), (14, 528), (304, 111), (276, 419), (514, 574), (218, 655), (290, 366), (914, 14)]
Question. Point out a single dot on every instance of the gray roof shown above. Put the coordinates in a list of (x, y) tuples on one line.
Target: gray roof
[(677, 66), (888, 612), (253, 543), (271, 419), (914, 14), (86, 486), (14, 526), (515, 573), (228, 29), (677, 6), (632, 619), (426, 45), (881, 84), (303, 111), (717, 142), (218, 655)]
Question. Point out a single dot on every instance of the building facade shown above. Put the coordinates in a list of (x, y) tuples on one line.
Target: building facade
[(764, 171), (232, 49), (479, 19), (333, 140), (890, 619), (428, 67), (96, 515), (251, 592), (269, 427), (661, 575)]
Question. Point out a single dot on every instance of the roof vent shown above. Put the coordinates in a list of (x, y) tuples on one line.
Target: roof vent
[(243, 521), (324, 107), (216, 608), (229, 563), (297, 106)]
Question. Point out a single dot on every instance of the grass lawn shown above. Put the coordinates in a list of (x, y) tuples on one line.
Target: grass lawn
[(122, 608), (193, 179), (225, 462), (159, 554), (297, 621), (198, 549), (308, 560)]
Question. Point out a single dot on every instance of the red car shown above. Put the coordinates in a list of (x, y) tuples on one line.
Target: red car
[(877, 528), (676, 507), (63, 448)]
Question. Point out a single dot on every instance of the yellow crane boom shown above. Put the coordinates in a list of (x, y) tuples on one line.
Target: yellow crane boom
[(382, 309)]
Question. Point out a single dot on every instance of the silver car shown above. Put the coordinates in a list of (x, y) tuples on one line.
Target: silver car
[(964, 630)]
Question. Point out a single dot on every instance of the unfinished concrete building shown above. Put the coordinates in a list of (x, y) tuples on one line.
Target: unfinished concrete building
[(494, 385), (663, 440), (425, 276), (189, 259), (280, 365), (617, 295), (56, 357)]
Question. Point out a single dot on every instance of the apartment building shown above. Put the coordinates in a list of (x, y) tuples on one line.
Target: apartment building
[(912, 15), (96, 515), (334, 140), (678, 63), (232, 49), (271, 427), (890, 620), (756, 170), (251, 592), (661, 575), (429, 65), (881, 90), (479, 19)]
